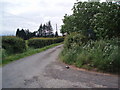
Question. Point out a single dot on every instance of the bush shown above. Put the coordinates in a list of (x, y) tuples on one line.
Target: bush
[(13, 44), (74, 39), (100, 54), (41, 42), (4, 54), (103, 55)]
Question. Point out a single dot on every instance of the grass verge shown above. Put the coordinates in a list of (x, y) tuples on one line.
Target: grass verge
[(99, 55), (29, 52)]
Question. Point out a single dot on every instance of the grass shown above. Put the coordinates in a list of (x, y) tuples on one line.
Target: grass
[(102, 55), (29, 52)]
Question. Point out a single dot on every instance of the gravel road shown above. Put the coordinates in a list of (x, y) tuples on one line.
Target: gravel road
[(44, 70)]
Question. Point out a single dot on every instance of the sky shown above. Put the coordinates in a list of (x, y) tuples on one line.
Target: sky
[(29, 14)]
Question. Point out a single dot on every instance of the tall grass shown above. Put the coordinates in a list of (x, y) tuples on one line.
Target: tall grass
[(100, 54)]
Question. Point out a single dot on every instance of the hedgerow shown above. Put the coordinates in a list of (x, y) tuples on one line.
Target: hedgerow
[(41, 42), (13, 44)]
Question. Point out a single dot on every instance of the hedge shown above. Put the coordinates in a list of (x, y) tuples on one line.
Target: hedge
[(41, 42), (13, 44)]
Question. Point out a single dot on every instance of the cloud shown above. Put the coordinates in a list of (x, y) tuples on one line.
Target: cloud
[(31, 13)]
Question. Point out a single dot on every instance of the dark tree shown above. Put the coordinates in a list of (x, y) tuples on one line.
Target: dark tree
[(40, 31), (56, 34), (44, 31), (50, 29), (23, 34), (17, 32), (34, 34)]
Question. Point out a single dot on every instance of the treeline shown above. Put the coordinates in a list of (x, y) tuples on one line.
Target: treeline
[(93, 19), (44, 30), (25, 34)]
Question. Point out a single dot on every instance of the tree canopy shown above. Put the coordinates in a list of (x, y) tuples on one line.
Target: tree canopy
[(101, 18), (25, 34), (45, 30)]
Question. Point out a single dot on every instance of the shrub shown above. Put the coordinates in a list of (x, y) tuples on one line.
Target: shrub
[(74, 39), (3, 52), (100, 54), (41, 42), (104, 55), (13, 44)]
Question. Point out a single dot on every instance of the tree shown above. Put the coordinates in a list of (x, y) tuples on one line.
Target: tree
[(102, 18), (40, 30), (56, 34), (44, 31), (106, 21), (17, 32), (34, 34), (25, 34), (68, 24), (49, 29)]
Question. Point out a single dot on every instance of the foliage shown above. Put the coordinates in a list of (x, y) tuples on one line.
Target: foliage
[(45, 30), (56, 34), (3, 53), (30, 51), (13, 44), (100, 54), (14, 48), (93, 34), (74, 39), (68, 24), (25, 34), (41, 42), (101, 18)]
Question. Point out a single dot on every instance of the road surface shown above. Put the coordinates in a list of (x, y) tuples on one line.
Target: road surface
[(44, 70)]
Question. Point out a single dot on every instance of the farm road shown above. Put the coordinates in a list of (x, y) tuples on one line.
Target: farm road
[(44, 70)]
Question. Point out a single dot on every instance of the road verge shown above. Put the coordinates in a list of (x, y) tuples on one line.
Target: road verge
[(30, 52)]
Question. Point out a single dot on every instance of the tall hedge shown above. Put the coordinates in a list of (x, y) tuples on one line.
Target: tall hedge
[(41, 42), (13, 44)]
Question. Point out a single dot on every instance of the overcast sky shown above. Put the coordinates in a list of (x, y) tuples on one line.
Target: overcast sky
[(29, 14)]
